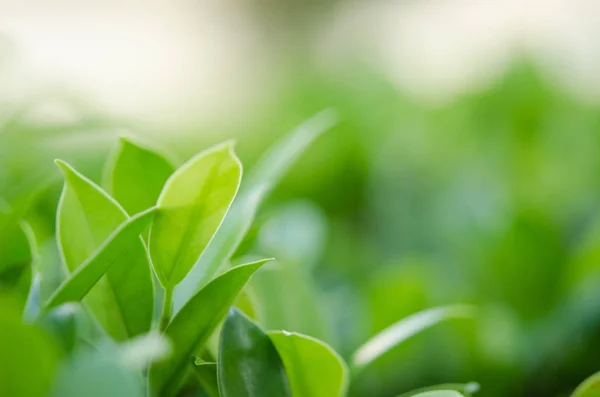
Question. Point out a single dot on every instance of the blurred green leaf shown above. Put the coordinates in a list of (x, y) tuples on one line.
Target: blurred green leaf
[(28, 359), (192, 206), (589, 388), (135, 176), (265, 175), (439, 393), (404, 329), (97, 373), (83, 279), (466, 389), (191, 328), (123, 300), (313, 368), (17, 247), (61, 322), (206, 373), (249, 364)]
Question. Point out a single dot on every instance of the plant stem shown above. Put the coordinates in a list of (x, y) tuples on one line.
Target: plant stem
[(166, 310)]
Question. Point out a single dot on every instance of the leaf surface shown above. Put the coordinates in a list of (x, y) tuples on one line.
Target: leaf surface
[(249, 364), (192, 327), (192, 206), (314, 369), (122, 301)]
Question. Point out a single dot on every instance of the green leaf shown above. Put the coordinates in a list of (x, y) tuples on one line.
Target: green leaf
[(192, 205), (97, 373), (17, 246), (404, 329), (122, 301), (589, 388), (265, 175), (28, 358), (61, 323), (313, 368), (249, 364), (466, 389), (439, 393), (135, 176), (81, 281), (206, 373), (191, 328)]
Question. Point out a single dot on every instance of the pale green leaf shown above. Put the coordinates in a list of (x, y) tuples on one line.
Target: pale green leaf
[(404, 329), (192, 205), (122, 301), (589, 388), (249, 364), (439, 393), (81, 281), (135, 176), (313, 368), (191, 328), (265, 175)]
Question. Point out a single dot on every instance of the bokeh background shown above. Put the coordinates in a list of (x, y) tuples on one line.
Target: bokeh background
[(465, 167)]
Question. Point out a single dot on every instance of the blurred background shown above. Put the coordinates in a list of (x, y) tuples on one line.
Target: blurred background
[(465, 167)]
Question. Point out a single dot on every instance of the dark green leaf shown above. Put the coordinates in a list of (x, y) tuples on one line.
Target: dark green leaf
[(191, 328), (249, 364), (136, 175), (466, 389), (122, 301), (192, 205), (313, 368), (91, 271)]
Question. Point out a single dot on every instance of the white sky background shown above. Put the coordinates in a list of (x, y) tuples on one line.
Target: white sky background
[(158, 60), (168, 61)]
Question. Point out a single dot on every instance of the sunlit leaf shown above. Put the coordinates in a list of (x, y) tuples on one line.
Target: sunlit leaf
[(589, 388), (263, 177), (249, 364), (122, 301), (135, 176), (81, 281), (404, 329), (312, 367), (191, 328), (192, 205), (206, 373)]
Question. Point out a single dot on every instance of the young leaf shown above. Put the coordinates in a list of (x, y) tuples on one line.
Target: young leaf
[(249, 364), (313, 368), (263, 177), (206, 373), (135, 176), (589, 388), (122, 301), (191, 328), (192, 205), (81, 281), (404, 329), (61, 322)]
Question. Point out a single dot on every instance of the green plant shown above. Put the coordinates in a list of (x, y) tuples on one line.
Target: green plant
[(151, 305)]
